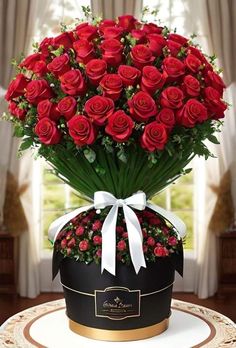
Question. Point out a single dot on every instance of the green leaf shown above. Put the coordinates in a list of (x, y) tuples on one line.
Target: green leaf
[(90, 155), (26, 143), (18, 130), (213, 139)]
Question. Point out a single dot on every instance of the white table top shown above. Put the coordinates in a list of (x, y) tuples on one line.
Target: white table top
[(46, 325)]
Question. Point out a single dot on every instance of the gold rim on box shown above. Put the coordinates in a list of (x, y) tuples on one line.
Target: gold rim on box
[(119, 335)]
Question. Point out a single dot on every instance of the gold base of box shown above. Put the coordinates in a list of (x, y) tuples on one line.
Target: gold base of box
[(119, 335)]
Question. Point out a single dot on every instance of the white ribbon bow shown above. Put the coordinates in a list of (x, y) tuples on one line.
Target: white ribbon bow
[(104, 199)]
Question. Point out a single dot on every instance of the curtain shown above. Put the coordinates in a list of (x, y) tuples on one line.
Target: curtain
[(217, 18), (112, 8), (16, 28)]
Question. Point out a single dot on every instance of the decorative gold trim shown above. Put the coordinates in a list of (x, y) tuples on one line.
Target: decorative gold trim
[(89, 294), (119, 335)]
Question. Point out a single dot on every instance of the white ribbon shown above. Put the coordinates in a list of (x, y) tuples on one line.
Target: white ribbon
[(104, 199)]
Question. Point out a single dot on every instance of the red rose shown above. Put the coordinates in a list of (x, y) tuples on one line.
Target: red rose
[(84, 51), (121, 245), (127, 22), (139, 35), (38, 90), (111, 86), (150, 28), (191, 86), (44, 46), (63, 39), (154, 137), (191, 113), (47, 131), (79, 231), (193, 63), (161, 251), (172, 241), (172, 97), (106, 23), (99, 109), (81, 130), (59, 65), (173, 67), (67, 107), (167, 117), (83, 245), (151, 241), (112, 51), (129, 75), (46, 108), (215, 81), (178, 38), (17, 87), (86, 31), (97, 225), (141, 55), (156, 42), (112, 32), (213, 103), (72, 82), (142, 106), (16, 111), (71, 243), (152, 79), (197, 53), (173, 47), (97, 240), (40, 68), (120, 126), (30, 61), (95, 70)]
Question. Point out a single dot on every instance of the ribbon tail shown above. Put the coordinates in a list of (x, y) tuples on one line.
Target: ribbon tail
[(109, 241), (57, 225), (172, 218), (135, 238)]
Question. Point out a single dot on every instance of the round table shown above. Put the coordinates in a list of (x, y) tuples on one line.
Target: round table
[(46, 325)]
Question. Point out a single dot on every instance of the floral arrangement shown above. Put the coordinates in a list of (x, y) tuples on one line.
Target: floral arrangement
[(81, 238), (118, 106)]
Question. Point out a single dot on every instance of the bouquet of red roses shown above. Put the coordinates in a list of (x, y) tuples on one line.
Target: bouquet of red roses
[(116, 106)]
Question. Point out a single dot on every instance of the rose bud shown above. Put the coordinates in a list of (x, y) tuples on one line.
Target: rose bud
[(17, 87), (84, 51), (152, 79), (38, 90), (79, 231), (191, 113), (97, 240), (151, 28), (30, 61), (84, 245), (129, 75), (172, 241), (95, 70), (16, 111), (215, 81), (40, 68), (59, 65), (193, 63), (141, 56), (105, 24), (172, 97), (99, 252), (71, 243), (154, 137), (86, 31), (156, 43), (173, 47), (97, 225), (63, 39), (63, 243), (99, 109), (67, 107), (44, 46), (214, 104), (178, 38), (120, 126), (46, 108), (161, 251), (121, 245), (142, 107), (111, 85), (47, 131), (125, 235), (82, 131)]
